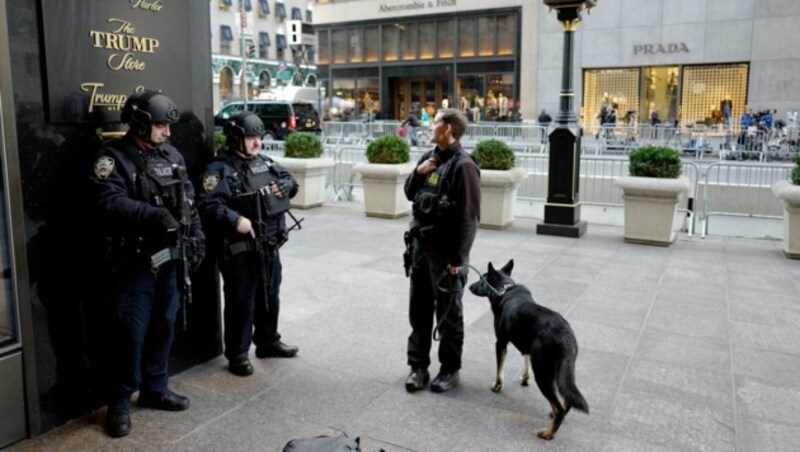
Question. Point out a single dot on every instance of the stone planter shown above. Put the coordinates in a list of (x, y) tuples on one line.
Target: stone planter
[(383, 188), (498, 191), (789, 195), (311, 175), (650, 208)]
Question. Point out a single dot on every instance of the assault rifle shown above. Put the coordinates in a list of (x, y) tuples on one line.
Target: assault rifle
[(182, 246), (262, 203)]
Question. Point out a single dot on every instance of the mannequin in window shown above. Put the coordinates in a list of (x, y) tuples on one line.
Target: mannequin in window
[(445, 103), (477, 109), (502, 102), (491, 102), (465, 105)]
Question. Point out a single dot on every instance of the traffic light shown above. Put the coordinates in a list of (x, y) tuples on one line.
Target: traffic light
[(251, 50)]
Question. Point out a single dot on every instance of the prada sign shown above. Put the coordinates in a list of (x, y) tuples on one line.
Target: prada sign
[(655, 49), (98, 53)]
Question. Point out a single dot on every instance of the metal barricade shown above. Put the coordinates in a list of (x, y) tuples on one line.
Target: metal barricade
[(480, 131), (334, 129), (741, 190), (380, 128)]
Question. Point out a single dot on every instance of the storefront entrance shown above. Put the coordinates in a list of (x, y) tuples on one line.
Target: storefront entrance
[(415, 93)]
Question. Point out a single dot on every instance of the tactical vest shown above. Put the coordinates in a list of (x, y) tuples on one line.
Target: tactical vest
[(432, 202), (161, 185), (257, 174)]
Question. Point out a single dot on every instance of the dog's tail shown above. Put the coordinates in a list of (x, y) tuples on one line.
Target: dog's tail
[(565, 381)]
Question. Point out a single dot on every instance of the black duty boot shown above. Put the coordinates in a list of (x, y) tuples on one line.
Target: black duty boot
[(417, 379), (167, 401), (280, 350), (118, 422), (240, 366), (444, 382)]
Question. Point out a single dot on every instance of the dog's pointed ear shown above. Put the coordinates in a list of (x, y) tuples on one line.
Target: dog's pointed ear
[(508, 267), (491, 268)]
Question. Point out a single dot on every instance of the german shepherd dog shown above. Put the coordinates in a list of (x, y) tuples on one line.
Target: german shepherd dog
[(544, 338)]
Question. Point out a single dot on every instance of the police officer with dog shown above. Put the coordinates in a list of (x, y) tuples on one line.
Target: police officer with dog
[(243, 204), (446, 194), (144, 201)]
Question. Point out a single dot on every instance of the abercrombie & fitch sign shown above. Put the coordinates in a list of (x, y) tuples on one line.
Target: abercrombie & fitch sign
[(99, 52), (659, 48)]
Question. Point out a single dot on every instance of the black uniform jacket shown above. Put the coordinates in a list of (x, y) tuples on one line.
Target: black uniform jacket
[(121, 204), (454, 234), (222, 181)]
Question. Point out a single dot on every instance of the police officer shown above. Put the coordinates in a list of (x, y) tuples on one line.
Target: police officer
[(243, 204), (446, 194), (144, 204)]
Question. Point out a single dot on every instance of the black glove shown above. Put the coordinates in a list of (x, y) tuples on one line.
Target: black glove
[(165, 222), (198, 252), (285, 186)]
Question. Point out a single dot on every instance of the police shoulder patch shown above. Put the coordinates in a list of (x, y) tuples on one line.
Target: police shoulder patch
[(103, 167), (210, 181)]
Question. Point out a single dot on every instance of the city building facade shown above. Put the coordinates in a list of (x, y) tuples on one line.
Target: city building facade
[(263, 43), (691, 60)]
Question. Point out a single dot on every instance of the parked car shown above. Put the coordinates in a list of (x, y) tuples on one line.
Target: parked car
[(279, 117)]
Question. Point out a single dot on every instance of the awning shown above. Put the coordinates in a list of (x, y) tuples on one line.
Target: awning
[(228, 2), (297, 14), (247, 5), (225, 33), (263, 38), (265, 6), (280, 41), (280, 10)]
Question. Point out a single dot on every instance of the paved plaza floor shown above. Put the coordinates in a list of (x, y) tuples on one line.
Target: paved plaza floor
[(691, 347)]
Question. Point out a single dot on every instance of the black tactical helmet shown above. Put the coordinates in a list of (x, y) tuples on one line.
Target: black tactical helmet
[(243, 124), (143, 109)]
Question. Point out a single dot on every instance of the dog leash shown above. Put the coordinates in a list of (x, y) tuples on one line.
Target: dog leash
[(437, 329), (499, 292)]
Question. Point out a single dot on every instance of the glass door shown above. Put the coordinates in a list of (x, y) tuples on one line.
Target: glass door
[(12, 389)]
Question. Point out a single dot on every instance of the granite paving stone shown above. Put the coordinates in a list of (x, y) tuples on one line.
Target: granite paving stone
[(687, 347)]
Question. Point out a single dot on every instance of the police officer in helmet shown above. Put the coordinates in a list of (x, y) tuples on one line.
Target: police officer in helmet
[(144, 204), (243, 203)]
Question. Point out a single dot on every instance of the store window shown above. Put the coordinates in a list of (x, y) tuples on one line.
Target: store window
[(339, 46), (471, 100), (499, 103), (487, 33), (659, 93), (343, 99), (613, 88), (367, 102), (354, 41), (408, 41), (506, 34), (427, 40), (323, 57), (466, 37), (706, 88), (371, 44), (445, 32), (391, 42), (248, 6)]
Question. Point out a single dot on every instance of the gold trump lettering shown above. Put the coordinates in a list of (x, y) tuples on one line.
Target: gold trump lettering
[(154, 6), (127, 45), (112, 101)]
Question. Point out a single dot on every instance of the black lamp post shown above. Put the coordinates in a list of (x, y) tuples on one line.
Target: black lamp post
[(562, 211)]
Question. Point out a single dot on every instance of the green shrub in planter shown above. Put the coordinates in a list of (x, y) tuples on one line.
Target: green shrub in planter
[(300, 145), (388, 149), (493, 155), (219, 140), (796, 171), (655, 161)]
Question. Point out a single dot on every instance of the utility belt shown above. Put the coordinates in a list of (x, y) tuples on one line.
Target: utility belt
[(133, 244)]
